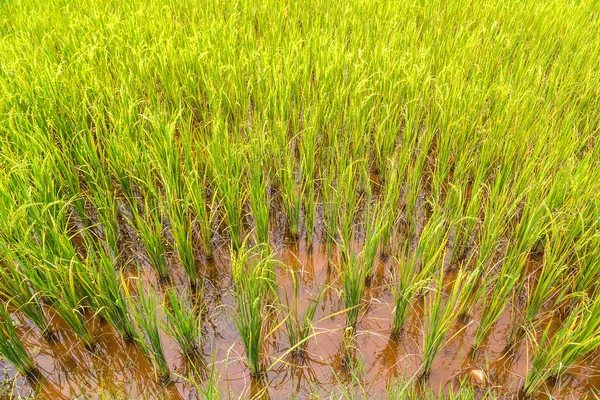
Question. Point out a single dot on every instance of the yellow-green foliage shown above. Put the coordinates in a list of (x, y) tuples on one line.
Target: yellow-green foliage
[(463, 128)]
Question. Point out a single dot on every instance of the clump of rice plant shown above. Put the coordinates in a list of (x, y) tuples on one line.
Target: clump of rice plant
[(259, 199), (203, 206), (354, 276), (103, 196), (253, 279), (414, 272), (550, 284), (441, 312), (389, 208), (308, 161), (11, 347), (330, 200), (150, 229), (375, 226), (103, 284), (577, 336), (15, 286), (184, 323), (62, 285), (291, 192), (527, 233), (182, 231), (227, 160), (300, 329), (208, 387), (144, 312), (347, 198)]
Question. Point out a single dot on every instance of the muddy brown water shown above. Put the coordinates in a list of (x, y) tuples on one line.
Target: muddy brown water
[(120, 370)]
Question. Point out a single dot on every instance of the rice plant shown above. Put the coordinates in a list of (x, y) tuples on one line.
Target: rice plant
[(299, 330), (252, 275), (183, 323), (104, 286), (376, 221), (511, 271), (203, 206), (576, 337), (414, 272), (259, 199), (150, 230), (144, 313), (182, 231), (291, 194), (441, 313), (62, 285), (308, 161), (11, 347), (354, 276), (15, 286), (228, 178)]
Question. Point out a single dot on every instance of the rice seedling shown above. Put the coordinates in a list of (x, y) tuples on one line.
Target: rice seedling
[(15, 286), (144, 313), (183, 323), (354, 276), (440, 315), (11, 347), (207, 388), (150, 228), (576, 337), (416, 271), (252, 275), (300, 329), (259, 199), (105, 293), (181, 229)]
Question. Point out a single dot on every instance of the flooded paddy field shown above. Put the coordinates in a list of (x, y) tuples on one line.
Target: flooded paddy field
[(309, 199), (384, 361)]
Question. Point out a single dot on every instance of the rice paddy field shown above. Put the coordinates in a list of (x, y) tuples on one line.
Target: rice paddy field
[(299, 199)]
